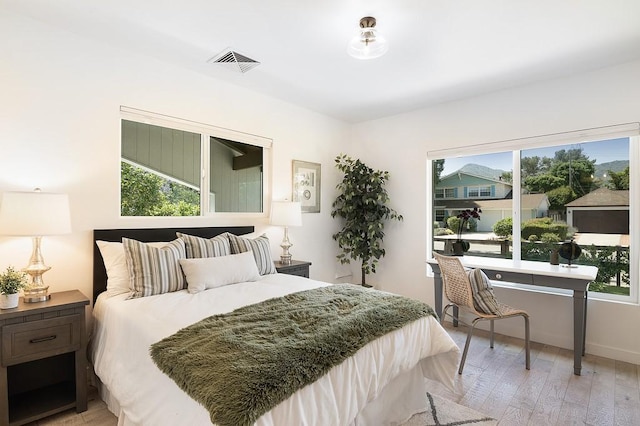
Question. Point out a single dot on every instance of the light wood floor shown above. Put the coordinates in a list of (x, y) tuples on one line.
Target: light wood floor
[(496, 383)]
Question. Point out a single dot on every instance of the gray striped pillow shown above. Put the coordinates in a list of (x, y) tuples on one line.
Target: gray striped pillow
[(154, 270), (483, 298), (260, 248), (198, 247)]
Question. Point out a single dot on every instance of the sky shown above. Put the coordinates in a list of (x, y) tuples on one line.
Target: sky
[(602, 152)]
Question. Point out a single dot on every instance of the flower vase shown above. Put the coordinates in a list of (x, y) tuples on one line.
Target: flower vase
[(9, 301)]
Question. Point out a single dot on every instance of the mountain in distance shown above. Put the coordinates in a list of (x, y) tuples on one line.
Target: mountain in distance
[(481, 171), (615, 166), (494, 174)]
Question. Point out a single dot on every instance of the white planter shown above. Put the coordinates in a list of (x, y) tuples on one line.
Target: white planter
[(9, 301)]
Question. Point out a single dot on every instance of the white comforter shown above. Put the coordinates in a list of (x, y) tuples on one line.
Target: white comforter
[(351, 393)]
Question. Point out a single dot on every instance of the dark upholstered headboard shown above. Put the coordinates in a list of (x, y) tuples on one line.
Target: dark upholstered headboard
[(147, 235)]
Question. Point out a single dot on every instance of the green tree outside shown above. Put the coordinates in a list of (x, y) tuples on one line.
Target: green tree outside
[(144, 193)]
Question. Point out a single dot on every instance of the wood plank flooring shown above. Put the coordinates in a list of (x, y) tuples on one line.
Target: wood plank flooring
[(496, 383)]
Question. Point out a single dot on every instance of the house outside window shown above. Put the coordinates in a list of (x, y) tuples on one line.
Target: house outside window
[(582, 191)]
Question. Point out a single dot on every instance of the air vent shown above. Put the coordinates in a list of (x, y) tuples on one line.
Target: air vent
[(234, 61)]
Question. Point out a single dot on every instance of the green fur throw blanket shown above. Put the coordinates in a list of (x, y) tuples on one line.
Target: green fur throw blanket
[(242, 364)]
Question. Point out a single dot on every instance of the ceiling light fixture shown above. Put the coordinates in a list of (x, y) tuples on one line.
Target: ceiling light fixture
[(368, 44)]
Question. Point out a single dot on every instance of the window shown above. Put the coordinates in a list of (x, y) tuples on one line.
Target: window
[(479, 191), (586, 186), (561, 187), (474, 175), (441, 193), (174, 167)]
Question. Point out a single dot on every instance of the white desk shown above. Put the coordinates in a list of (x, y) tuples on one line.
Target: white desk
[(539, 274)]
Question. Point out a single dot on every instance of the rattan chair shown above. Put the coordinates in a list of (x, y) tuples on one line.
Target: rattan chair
[(458, 290)]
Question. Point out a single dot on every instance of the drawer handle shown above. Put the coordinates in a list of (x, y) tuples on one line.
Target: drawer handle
[(43, 339), (498, 276)]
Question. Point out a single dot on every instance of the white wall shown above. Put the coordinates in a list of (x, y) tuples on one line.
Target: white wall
[(60, 130), (400, 143)]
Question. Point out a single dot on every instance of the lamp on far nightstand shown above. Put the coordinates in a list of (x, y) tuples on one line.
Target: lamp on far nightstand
[(35, 214), (286, 213)]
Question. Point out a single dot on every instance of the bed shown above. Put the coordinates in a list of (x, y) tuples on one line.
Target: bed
[(381, 384)]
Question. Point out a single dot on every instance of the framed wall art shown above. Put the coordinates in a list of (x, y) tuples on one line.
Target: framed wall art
[(306, 185)]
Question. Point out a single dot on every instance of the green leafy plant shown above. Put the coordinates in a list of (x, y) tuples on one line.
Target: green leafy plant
[(362, 204), (12, 281), (503, 227)]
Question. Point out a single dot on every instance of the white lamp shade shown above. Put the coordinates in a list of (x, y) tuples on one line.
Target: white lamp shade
[(34, 214), (286, 213)]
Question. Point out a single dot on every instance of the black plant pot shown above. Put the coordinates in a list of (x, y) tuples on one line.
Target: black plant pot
[(460, 247)]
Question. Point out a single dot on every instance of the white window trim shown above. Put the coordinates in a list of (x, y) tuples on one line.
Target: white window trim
[(628, 130)]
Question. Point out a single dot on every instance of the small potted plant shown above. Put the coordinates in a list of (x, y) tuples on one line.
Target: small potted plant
[(11, 282)]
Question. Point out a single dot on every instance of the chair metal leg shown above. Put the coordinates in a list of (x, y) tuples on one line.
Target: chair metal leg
[(491, 336), (526, 342), (466, 345), (444, 313)]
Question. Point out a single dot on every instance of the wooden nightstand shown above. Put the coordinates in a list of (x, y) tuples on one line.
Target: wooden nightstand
[(296, 267), (43, 366)]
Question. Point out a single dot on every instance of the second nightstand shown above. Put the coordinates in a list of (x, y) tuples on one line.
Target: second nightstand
[(296, 267)]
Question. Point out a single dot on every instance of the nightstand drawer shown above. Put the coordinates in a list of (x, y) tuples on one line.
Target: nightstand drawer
[(301, 271), (38, 339), (295, 267)]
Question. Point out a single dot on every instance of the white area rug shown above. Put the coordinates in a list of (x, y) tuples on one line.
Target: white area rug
[(443, 412)]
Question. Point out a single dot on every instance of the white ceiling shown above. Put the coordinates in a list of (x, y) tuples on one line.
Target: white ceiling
[(440, 50)]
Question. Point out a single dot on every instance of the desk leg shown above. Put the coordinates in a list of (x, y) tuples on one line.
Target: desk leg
[(579, 304), (584, 333), (437, 290)]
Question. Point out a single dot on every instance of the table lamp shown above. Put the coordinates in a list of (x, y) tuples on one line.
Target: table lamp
[(35, 214), (286, 213)]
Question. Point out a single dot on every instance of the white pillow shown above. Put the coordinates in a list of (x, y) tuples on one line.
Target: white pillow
[(211, 272), (115, 263)]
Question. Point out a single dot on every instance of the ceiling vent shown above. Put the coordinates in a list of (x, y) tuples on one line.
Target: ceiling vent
[(234, 61)]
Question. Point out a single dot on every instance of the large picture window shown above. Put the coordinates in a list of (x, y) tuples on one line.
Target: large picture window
[(174, 167), (581, 191)]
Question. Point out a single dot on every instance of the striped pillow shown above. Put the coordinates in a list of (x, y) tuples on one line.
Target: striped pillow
[(154, 270), (260, 248), (483, 298), (198, 247)]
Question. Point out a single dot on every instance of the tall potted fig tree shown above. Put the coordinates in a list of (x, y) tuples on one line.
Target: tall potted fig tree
[(362, 204)]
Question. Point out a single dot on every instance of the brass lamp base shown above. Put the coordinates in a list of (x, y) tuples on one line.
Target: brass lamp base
[(36, 294), (285, 257), (36, 291)]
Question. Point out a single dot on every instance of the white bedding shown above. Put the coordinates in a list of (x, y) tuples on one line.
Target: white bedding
[(381, 384)]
